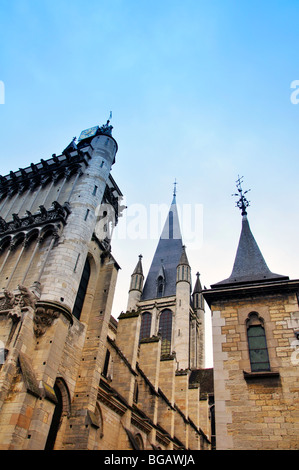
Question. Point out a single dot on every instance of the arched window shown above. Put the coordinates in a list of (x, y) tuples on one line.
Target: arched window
[(257, 344), (55, 420), (136, 392), (139, 442), (106, 363), (145, 329), (160, 286), (62, 409), (165, 329), (82, 290)]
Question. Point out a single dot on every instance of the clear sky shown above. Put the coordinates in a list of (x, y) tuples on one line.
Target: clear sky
[(200, 91)]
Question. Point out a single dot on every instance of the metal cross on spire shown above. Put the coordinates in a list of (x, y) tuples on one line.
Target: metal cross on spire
[(242, 203)]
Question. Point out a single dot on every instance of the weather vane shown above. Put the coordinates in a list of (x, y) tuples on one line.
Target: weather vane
[(242, 203)]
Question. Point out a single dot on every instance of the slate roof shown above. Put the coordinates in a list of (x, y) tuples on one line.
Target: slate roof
[(249, 265), (166, 258)]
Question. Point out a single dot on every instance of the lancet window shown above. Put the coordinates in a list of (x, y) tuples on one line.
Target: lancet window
[(257, 343)]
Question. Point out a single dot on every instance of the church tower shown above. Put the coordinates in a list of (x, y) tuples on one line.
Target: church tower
[(57, 276), (166, 303), (255, 319), (71, 376)]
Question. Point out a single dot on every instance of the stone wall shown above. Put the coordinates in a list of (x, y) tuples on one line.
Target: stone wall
[(255, 410)]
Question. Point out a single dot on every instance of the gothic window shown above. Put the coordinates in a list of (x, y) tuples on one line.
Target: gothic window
[(61, 410), (106, 363), (139, 442), (55, 420), (257, 344), (165, 329), (160, 286), (82, 290), (4, 244), (136, 393), (145, 329)]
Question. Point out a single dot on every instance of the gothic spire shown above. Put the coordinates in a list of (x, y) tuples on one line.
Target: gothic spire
[(169, 249), (138, 269), (249, 265), (197, 288)]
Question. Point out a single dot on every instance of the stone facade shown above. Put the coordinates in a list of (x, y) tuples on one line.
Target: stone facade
[(255, 342), (71, 376)]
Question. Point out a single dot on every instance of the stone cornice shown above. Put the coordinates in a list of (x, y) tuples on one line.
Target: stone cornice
[(40, 173), (56, 213), (251, 290)]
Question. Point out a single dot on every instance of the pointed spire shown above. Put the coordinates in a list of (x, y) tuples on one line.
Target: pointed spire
[(197, 288), (249, 265), (183, 259), (137, 277), (198, 303), (169, 249), (138, 269)]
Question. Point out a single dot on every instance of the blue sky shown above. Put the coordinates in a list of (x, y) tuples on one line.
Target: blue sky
[(199, 90)]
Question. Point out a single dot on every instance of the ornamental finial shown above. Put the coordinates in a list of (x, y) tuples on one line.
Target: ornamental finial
[(174, 189), (242, 203)]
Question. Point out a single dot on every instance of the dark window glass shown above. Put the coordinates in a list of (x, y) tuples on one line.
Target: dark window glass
[(160, 286), (106, 364), (55, 421), (82, 291), (165, 328), (258, 351), (145, 329)]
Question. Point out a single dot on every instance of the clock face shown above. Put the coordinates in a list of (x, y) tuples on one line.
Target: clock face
[(88, 133)]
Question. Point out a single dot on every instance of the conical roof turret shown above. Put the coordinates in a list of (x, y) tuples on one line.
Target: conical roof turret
[(183, 258), (137, 277), (249, 265), (138, 269), (198, 287)]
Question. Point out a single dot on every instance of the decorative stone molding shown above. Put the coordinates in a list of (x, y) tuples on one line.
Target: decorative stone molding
[(46, 313), (56, 213), (7, 301), (14, 302)]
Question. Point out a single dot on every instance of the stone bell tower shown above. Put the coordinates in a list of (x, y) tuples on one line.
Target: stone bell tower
[(57, 276)]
